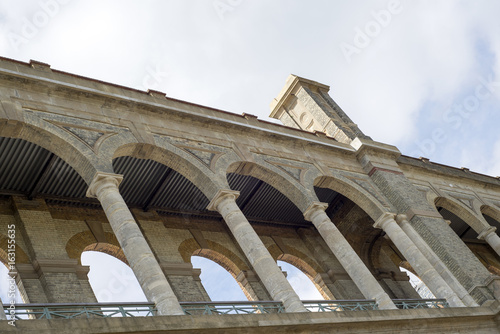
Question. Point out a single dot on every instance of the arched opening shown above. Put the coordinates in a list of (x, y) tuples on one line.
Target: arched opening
[(300, 282), (216, 262), (462, 222), (353, 209), (9, 289), (148, 184), (111, 279), (218, 283), (467, 227), (492, 216), (276, 219), (423, 291)]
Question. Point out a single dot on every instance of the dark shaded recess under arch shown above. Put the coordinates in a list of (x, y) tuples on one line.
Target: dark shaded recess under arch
[(461, 228), (29, 170)]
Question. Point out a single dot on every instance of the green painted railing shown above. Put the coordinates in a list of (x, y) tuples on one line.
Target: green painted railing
[(246, 307), (105, 310), (339, 305), (420, 303), (90, 310)]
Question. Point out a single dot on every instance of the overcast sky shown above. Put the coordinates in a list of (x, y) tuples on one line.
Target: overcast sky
[(421, 75)]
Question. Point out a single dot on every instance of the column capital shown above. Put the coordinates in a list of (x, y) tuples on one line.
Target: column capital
[(220, 196), (401, 218), (101, 178), (383, 219), (486, 231), (313, 208)]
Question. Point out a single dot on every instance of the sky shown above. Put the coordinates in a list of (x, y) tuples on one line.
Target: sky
[(421, 75)]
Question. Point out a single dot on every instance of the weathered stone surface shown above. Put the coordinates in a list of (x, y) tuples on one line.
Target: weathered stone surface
[(88, 123)]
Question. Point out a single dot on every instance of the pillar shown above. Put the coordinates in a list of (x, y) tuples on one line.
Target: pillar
[(338, 281), (351, 262), (49, 276), (417, 260), (134, 245), (489, 235), (257, 254), (445, 273), (2, 311), (252, 286)]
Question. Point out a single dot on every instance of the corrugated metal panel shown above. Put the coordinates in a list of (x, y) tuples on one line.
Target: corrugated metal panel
[(20, 163), (64, 181), (266, 203), (140, 178), (182, 194), (75, 203), (270, 204), (325, 195), (244, 184)]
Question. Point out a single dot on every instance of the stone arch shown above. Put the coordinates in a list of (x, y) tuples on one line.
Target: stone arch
[(54, 139), (219, 254), (280, 180), (305, 264), (85, 241), (491, 212), (461, 211), (215, 252), (361, 197), (180, 161)]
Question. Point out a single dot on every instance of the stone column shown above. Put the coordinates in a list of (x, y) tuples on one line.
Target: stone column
[(351, 262), (441, 268), (2, 311), (262, 262), (490, 236), (136, 249), (417, 260)]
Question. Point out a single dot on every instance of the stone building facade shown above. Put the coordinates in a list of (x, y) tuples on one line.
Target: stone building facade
[(87, 165)]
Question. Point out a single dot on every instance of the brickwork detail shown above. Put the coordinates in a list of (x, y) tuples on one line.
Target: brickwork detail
[(88, 124)]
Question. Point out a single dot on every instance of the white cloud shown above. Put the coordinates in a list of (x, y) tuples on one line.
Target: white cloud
[(429, 56)]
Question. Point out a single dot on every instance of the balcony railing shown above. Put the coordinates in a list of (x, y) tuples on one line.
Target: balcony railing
[(420, 303), (339, 305), (105, 310)]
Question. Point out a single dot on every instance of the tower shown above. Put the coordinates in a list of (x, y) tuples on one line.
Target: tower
[(305, 104)]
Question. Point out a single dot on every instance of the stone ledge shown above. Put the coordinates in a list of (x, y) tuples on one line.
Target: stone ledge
[(452, 320)]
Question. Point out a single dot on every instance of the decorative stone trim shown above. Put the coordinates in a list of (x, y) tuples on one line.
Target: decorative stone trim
[(416, 212), (313, 208), (102, 177), (487, 230), (43, 266), (220, 196)]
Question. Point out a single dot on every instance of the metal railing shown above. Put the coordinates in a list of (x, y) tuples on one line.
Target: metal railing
[(88, 310), (195, 308), (105, 310), (406, 304), (339, 305)]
